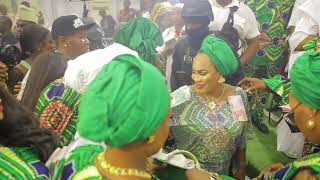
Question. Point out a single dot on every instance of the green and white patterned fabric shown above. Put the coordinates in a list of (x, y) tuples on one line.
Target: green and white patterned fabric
[(272, 17), (21, 163), (212, 135), (310, 163)]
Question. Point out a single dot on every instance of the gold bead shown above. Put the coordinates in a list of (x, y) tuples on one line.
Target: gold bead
[(120, 171), (104, 164), (130, 172), (311, 124), (151, 139)]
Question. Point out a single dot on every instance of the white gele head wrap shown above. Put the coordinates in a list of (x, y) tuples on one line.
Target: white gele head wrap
[(83, 70)]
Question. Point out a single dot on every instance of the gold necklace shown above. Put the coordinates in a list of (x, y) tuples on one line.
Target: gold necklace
[(212, 104), (104, 166)]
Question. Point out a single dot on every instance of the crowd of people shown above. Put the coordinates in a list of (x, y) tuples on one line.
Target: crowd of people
[(186, 77)]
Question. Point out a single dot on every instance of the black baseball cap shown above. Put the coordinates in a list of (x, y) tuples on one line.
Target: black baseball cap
[(67, 25)]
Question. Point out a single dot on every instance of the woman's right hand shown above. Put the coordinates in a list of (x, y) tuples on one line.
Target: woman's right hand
[(264, 40), (3, 72), (252, 84)]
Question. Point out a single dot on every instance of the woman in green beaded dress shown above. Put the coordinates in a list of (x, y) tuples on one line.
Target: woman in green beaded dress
[(24, 146), (127, 107), (208, 123)]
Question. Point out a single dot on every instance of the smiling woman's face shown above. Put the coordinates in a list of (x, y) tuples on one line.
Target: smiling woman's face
[(204, 75)]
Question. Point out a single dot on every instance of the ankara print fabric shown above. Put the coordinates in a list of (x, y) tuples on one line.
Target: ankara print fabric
[(57, 110)]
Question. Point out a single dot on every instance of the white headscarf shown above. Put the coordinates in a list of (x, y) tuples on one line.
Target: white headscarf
[(83, 70)]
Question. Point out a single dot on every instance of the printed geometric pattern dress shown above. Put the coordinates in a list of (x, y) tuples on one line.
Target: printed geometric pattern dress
[(20, 163), (57, 110), (211, 134), (272, 17)]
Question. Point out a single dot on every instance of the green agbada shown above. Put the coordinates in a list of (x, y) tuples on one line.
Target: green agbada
[(305, 79), (126, 102), (141, 35), (220, 54)]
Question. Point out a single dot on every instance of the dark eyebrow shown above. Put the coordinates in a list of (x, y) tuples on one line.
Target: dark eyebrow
[(202, 70)]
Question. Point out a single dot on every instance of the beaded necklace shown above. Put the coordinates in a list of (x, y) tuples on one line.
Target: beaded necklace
[(212, 103), (103, 166)]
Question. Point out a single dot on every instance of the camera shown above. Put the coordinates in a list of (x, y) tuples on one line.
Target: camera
[(10, 55)]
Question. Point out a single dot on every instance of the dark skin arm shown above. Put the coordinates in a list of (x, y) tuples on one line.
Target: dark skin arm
[(306, 40), (253, 46), (241, 164)]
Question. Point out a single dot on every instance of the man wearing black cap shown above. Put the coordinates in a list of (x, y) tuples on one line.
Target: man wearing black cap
[(70, 35), (197, 15)]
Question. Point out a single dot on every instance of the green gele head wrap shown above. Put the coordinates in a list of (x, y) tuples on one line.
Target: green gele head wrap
[(305, 79), (220, 54), (141, 35), (126, 102)]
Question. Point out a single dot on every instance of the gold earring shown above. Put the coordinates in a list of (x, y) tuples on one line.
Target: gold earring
[(311, 124), (151, 139), (221, 80)]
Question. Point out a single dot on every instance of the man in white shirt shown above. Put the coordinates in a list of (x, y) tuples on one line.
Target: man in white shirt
[(294, 15), (244, 22)]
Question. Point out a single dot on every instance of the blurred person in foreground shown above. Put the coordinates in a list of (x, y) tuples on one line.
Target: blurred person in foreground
[(24, 146), (304, 101)]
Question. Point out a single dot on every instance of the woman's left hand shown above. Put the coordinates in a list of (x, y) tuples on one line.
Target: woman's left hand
[(240, 174)]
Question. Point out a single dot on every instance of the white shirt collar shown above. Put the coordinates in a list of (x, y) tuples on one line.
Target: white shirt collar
[(232, 4)]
